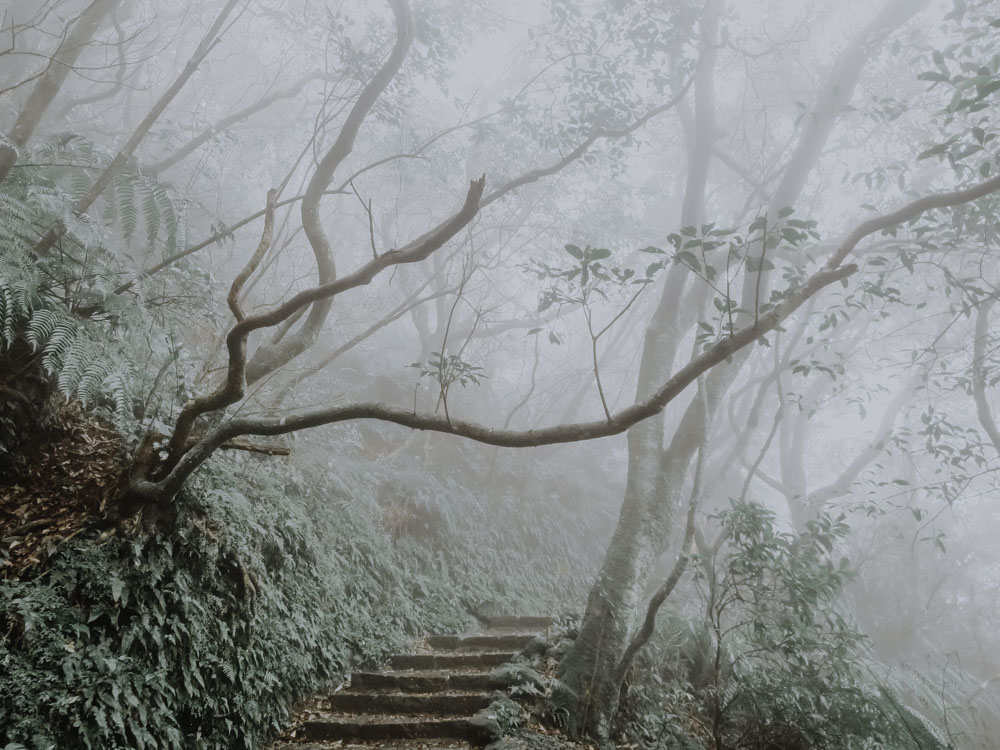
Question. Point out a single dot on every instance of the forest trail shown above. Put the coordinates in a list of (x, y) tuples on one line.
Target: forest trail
[(437, 695)]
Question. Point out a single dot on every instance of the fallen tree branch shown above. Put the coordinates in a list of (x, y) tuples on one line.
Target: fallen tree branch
[(262, 448)]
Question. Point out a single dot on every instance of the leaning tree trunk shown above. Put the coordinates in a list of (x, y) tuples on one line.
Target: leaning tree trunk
[(588, 692)]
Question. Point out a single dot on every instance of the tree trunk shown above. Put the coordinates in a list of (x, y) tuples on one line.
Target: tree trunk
[(589, 690), (52, 80)]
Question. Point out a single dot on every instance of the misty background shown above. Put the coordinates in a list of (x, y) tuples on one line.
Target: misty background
[(657, 177)]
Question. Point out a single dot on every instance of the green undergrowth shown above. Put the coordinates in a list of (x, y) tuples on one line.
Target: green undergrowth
[(761, 655), (269, 583)]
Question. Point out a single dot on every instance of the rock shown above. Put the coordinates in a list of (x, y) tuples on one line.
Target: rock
[(536, 647), (487, 726), (528, 740), (515, 675)]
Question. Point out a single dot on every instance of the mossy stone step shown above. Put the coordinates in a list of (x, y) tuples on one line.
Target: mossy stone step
[(494, 642), (394, 728), (477, 660), (516, 622), (407, 703), (420, 682)]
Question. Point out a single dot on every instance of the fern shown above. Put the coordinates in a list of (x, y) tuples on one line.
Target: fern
[(40, 328), (42, 336), (83, 369), (120, 383), (59, 343), (128, 209), (13, 210), (18, 286)]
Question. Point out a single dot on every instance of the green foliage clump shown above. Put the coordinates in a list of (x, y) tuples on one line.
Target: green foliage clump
[(269, 583), (66, 328), (771, 662), (507, 713), (187, 639)]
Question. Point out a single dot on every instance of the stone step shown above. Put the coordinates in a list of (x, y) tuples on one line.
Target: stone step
[(511, 622), (491, 642), (375, 728), (433, 743), (429, 681), (407, 703), (471, 660)]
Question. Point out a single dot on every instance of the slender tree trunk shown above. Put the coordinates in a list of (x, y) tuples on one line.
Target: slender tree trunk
[(589, 690), (49, 85)]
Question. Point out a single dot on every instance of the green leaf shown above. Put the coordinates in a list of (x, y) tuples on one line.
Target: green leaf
[(689, 259), (933, 76)]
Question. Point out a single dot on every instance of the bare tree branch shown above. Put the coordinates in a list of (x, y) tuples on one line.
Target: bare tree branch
[(268, 358), (208, 41), (236, 341), (619, 422), (232, 390), (227, 122), (52, 79)]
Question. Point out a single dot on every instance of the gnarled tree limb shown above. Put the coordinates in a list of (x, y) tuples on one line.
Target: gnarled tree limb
[(619, 422)]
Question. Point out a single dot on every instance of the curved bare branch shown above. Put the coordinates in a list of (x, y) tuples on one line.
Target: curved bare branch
[(567, 433), (268, 358)]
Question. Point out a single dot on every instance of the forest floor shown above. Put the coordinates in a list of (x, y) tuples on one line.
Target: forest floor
[(73, 473)]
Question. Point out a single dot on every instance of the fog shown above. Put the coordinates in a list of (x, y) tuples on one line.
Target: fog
[(702, 271)]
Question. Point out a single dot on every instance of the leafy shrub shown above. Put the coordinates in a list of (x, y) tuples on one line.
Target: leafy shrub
[(772, 663), (187, 640)]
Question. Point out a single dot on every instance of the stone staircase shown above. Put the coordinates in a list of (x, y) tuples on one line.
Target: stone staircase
[(431, 696)]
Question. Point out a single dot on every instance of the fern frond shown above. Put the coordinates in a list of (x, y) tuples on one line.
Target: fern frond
[(18, 291), (120, 382), (77, 184), (167, 208), (128, 210), (80, 359), (41, 327), (13, 211), (59, 343), (90, 371)]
